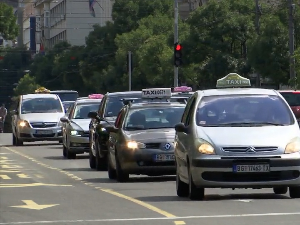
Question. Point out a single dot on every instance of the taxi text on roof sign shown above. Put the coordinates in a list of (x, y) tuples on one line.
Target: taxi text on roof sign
[(157, 93), (233, 80)]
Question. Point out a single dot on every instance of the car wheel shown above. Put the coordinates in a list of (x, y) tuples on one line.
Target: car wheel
[(195, 193), (70, 155), (280, 190), (121, 175), (112, 173), (64, 151), (295, 192), (181, 187), (92, 160), (18, 142), (100, 162)]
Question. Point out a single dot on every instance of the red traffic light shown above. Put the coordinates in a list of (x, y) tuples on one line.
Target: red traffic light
[(72, 57), (178, 47)]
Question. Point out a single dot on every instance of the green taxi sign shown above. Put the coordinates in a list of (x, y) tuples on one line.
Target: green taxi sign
[(233, 80)]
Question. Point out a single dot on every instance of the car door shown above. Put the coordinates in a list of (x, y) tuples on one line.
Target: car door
[(67, 126), (183, 140), (114, 138)]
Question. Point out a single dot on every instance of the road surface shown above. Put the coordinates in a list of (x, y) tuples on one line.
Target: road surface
[(39, 186)]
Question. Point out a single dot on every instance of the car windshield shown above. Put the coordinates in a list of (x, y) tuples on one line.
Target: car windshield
[(243, 110), (82, 110), (292, 98), (41, 105), (114, 104), (67, 96), (153, 118)]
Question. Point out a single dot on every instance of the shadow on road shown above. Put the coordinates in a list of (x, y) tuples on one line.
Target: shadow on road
[(37, 144), (80, 170), (133, 180), (63, 158), (174, 198)]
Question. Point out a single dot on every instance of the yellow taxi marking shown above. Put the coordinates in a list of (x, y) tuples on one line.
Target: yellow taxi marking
[(29, 204), (144, 204), (5, 177), (109, 191), (33, 185), (179, 222)]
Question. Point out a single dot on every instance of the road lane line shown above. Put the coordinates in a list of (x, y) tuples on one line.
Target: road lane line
[(5, 177), (22, 175), (141, 203), (72, 176), (154, 218), (179, 222)]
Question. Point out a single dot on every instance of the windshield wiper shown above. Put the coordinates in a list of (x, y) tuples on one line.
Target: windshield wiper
[(251, 124), (134, 128)]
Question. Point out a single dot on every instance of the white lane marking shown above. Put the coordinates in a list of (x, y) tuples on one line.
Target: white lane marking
[(243, 200), (155, 218)]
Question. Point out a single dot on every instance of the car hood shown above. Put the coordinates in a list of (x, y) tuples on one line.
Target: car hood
[(42, 117), (278, 136), (152, 135), (82, 123)]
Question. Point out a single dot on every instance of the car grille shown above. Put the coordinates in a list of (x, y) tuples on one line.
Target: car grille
[(153, 145), (86, 134), (43, 125), (246, 149)]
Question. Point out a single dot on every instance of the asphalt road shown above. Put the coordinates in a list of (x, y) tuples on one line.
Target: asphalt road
[(39, 186)]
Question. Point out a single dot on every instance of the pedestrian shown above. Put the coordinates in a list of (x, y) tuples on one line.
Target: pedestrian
[(3, 114)]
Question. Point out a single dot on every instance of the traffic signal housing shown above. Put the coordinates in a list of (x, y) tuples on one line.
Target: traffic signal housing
[(177, 54)]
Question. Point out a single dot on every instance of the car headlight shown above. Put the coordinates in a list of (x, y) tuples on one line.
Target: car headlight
[(23, 123), (135, 145), (103, 129), (293, 146), (207, 149)]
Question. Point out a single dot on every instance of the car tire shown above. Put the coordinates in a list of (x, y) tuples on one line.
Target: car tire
[(294, 192), (100, 162), (64, 151), (112, 173), (92, 160), (121, 175), (280, 190), (195, 193), (18, 142), (182, 188)]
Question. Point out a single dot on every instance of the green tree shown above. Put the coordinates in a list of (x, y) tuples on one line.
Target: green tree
[(8, 25), (220, 35), (26, 85)]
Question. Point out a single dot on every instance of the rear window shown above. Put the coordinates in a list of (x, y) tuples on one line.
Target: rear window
[(292, 98)]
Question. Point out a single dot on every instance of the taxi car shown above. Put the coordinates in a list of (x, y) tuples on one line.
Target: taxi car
[(104, 116), (141, 141), (237, 137), (76, 126), (36, 118)]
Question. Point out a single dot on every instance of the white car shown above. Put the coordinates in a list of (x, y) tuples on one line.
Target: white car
[(37, 118)]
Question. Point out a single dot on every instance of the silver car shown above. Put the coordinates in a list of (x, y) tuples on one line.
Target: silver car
[(36, 118), (236, 137), (76, 127)]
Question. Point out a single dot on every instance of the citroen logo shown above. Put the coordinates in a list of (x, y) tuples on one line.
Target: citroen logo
[(250, 149), (167, 146)]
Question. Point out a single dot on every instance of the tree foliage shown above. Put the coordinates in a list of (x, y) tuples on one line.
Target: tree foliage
[(26, 84), (8, 25)]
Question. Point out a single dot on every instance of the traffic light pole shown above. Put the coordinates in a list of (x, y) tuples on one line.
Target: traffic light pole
[(175, 39)]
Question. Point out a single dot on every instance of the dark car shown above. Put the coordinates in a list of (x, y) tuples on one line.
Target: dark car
[(293, 99), (108, 111)]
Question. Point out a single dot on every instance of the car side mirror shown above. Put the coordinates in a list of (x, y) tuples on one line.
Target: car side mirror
[(64, 120), (180, 127), (112, 129)]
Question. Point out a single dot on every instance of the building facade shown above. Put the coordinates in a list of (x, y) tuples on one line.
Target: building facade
[(68, 20)]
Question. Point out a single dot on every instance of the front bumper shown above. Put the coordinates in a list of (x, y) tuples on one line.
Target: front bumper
[(144, 162), (218, 173), (79, 144), (39, 134)]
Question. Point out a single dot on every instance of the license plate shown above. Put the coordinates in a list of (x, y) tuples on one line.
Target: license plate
[(44, 132), (164, 157), (256, 168)]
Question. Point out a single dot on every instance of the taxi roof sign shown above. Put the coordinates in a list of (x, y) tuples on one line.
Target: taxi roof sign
[(95, 96), (233, 80), (182, 89), (157, 93)]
